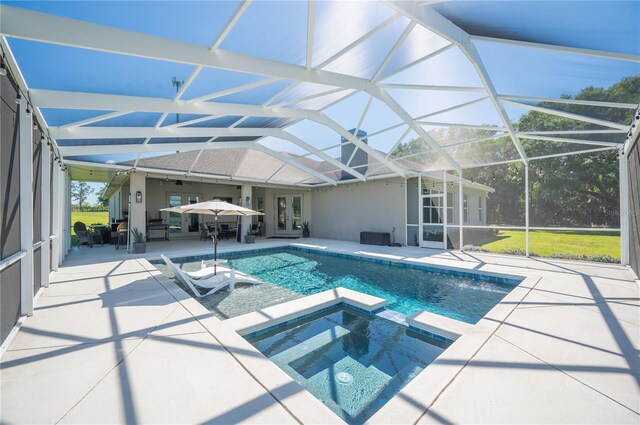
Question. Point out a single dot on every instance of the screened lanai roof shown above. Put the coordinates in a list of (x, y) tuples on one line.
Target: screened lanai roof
[(434, 85)]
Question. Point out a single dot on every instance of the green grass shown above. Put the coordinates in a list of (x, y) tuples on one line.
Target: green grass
[(545, 243), (88, 218)]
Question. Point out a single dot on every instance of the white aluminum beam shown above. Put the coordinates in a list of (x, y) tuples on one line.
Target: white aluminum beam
[(311, 18), (560, 132), (154, 172), (313, 150), (45, 218), (233, 90), (625, 211), (571, 101), (397, 109), (73, 100), (96, 119), (309, 97), (152, 132), (46, 28), (418, 61), (476, 127), (394, 49), (359, 41), (567, 140), (293, 163), (435, 22), (569, 115), (26, 208), (431, 87), (564, 49), (67, 151)]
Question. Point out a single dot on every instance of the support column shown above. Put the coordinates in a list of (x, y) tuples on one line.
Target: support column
[(55, 218), (45, 225), (526, 208), (26, 210), (460, 208), (137, 210), (246, 198), (444, 211), (624, 208), (67, 214)]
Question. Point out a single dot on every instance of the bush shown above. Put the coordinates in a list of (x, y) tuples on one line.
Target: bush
[(583, 257)]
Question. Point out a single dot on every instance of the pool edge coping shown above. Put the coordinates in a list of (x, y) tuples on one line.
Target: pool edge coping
[(398, 409), (297, 401)]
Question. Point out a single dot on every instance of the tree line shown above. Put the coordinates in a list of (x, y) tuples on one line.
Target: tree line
[(573, 190)]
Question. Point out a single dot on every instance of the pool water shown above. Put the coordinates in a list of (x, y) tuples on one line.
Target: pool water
[(294, 273), (353, 362)]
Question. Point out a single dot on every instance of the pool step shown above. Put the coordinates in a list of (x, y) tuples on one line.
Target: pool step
[(394, 316)]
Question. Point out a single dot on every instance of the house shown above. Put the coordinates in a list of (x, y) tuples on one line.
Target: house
[(252, 178)]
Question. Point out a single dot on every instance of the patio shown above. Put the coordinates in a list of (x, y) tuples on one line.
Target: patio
[(479, 138), (127, 346)]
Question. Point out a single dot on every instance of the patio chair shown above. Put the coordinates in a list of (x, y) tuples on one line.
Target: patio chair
[(85, 236), (256, 229), (123, 232), (224, 231), (204, 232), (214, 283)]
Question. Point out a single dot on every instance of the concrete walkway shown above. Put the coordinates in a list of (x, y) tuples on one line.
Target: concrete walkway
[(108, 343)]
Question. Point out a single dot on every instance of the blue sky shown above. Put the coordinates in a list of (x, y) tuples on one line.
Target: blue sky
[(277, 30)]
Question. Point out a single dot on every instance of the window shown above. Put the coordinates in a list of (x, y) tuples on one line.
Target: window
[(465, 212), (480, 209), (450, 216)]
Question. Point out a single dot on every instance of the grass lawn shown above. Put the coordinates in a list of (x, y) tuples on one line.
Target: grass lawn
[(88, 218), (546, 243)]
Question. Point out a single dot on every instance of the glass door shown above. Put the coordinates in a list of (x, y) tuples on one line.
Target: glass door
[(183, 224), (288, 214), (432, 219)]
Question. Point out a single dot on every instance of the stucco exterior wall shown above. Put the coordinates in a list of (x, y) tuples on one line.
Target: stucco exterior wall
[(342, 212)]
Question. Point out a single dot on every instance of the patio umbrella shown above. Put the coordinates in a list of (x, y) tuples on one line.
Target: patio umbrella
[(215, 208)]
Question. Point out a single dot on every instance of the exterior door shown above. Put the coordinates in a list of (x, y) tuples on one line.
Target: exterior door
[(432, 219), (288, 214), (183, 224)]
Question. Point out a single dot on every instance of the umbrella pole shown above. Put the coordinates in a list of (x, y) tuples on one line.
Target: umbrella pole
[(215, 245)]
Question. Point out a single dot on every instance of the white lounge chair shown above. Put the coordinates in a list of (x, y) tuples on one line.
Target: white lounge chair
[(205, 277), (225, 277)]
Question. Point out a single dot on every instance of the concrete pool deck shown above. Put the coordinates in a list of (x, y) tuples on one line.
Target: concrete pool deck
[(110, 343)]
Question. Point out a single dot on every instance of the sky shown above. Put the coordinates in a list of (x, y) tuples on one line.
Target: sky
[(277, 31)]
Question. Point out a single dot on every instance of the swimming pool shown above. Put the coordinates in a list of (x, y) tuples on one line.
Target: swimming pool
[(293, 273), (353, 362)]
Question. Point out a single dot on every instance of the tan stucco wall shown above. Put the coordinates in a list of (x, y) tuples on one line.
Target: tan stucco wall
[(342, 212)]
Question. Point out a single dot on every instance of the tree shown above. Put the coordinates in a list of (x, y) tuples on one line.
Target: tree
[(102, 201), (80, 191)]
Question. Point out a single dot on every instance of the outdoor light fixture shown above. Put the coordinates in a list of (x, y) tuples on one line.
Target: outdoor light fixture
[(35, 124), (138, 197), (18, 98), (28, 111)]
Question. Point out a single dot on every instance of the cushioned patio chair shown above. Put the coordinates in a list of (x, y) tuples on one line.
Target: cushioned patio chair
[(123, 231), (85, 236)]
